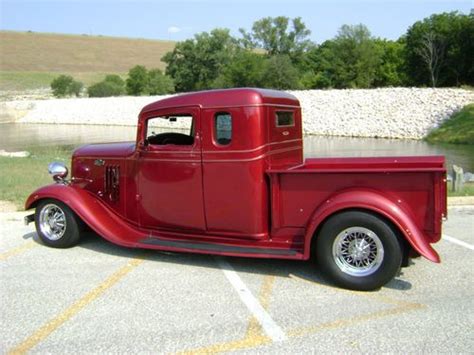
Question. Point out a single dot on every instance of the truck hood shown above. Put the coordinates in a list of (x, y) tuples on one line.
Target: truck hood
[(105, 150)]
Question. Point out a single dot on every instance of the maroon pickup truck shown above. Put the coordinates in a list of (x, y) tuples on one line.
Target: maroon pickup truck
[(228, 177)]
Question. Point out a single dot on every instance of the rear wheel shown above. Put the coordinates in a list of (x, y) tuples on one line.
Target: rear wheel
[(358, 250), (56, 224)]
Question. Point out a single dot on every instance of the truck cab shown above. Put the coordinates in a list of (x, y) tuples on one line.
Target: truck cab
[(217, 166), (222, 172)]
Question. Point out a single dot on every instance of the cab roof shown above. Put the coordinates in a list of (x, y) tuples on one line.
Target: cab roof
[(225, 98)]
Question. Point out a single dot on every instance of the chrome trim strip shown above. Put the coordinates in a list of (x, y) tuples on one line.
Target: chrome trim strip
[(171, 152), (273, 152), (171, 160), (261, 156), (226, 151), (200, 106), (253, 149), (251, 105)]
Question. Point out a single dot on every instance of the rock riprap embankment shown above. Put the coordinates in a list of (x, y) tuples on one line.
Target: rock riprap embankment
[(389, 112)]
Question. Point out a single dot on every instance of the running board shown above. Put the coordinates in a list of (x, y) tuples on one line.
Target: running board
[(211, 247)]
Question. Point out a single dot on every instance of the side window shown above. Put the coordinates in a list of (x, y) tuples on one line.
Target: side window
[(285, 118), (223, 128), (171, 129)]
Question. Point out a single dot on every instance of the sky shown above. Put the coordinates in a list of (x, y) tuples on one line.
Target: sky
[(181, 19)]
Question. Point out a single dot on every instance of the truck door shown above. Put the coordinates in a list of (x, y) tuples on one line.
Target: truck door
[(169, 171), (234, 154)]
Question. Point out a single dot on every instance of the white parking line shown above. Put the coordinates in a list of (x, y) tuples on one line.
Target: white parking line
[(272, 329), (458, 242)]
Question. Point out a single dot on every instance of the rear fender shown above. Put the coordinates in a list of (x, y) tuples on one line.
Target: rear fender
[(92, 211), (376, 202)]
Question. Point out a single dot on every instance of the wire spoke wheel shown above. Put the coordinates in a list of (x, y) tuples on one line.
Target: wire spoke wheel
[(358, 251), (52, 222)]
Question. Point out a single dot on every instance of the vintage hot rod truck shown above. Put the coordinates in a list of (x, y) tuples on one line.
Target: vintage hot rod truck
[(235, 183)]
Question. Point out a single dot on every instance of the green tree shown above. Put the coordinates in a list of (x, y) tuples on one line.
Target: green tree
[(439, 50), (115, 79), (75, 88), (350, 60), (359, 54), (321, 63), (61, 84), (195, 64), (280, 73), (65, 85), (112, 85), (276, 37), (244, 70), (158, 83), (390, 72), (103, 89), (137, 81)]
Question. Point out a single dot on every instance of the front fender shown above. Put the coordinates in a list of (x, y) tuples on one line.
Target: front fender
[(376, 202), (92, 211)]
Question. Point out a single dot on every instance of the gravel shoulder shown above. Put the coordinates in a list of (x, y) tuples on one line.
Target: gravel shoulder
[(7, 206)]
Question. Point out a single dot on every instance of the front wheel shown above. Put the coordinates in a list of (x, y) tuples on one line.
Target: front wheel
[(358, 250), (56, 224)]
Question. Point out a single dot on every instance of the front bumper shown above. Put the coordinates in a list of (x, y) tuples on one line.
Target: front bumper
[(28, 219)]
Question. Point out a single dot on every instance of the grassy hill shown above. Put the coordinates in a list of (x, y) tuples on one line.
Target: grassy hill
[(31, 60)]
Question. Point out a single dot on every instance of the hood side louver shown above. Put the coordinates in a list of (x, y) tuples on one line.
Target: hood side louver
[(112, 182)]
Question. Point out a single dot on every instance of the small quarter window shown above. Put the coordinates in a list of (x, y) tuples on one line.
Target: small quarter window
[(223, 128), (284, 118)]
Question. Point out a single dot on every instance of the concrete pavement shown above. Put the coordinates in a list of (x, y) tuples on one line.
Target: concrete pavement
[(101, 298)]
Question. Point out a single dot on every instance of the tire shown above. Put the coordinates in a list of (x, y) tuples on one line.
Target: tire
[(57, 225), (358, 251)]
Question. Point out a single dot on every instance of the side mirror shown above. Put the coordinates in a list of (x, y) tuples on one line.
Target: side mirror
[(58, 171)]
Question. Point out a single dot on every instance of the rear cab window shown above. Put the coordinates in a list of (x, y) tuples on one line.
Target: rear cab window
[(284, 124), (223, 128), (284, 118)]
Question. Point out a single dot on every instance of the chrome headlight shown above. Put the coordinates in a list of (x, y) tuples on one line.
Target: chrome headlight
[(58, 171)]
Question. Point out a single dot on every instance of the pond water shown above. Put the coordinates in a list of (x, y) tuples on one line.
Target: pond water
[(14, 136)]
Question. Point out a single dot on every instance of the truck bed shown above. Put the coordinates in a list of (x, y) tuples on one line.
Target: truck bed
[(416, 184)]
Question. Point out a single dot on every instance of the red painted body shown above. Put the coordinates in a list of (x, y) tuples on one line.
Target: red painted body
[(255, 196)]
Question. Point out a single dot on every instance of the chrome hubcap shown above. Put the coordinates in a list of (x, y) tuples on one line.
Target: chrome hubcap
[(358, 251), (52, 221)]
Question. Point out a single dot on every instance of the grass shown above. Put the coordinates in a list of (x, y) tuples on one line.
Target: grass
[(459, 129), (31, 60), (21, 176), (18, 81), (24, 80), (468, 190)]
